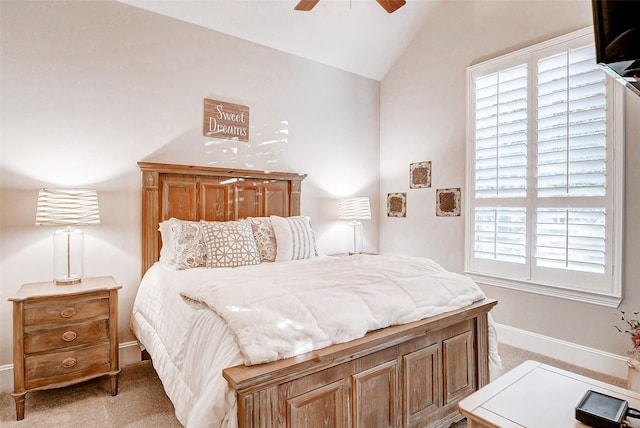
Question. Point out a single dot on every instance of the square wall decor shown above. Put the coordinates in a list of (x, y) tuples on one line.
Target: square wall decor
[(420, 175), (448, 202), (396, 205)]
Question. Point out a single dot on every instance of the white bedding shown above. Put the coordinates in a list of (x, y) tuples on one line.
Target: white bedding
[(280, 310), (189, 347), (190, 344)]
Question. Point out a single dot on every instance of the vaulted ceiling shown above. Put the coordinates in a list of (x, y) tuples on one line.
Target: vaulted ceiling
[(358, 36)]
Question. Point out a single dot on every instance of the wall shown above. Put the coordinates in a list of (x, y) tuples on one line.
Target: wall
[(91, 88), (423, 114)]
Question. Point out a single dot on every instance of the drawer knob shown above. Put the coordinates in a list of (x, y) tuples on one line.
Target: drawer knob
[(69, 362), (68, 312), (69, 336)]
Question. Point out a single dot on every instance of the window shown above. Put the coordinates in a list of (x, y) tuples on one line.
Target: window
[(545, 172)]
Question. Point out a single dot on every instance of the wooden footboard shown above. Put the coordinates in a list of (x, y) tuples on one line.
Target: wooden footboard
[(411, 375)]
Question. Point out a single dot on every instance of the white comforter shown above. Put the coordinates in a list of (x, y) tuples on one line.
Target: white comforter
[(190, 344), (279, 310)]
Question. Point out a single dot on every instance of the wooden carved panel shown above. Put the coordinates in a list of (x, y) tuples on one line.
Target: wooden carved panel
[(375, 396), (421, 385), (246, 200), (276, 198), (294, 198), (213, 203), (260, 408), (482, 349), (322, 407), (457, 353), (179, 198)]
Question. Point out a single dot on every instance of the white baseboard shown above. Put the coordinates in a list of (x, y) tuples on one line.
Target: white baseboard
[(129, 354), (572, 353), (6, 378)]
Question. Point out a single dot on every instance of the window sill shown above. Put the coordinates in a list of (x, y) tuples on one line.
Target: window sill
[(603, 299)]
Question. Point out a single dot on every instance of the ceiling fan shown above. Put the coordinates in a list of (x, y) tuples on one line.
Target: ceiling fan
[(388, 5)]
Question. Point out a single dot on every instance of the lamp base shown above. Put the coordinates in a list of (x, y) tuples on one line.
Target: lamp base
[(68, 244), (68, 281), (357, 237)]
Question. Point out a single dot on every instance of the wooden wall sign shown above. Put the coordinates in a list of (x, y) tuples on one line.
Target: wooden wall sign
[(226, 121)]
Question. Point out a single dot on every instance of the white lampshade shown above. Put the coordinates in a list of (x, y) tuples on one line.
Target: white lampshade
[(70, 208), (354, 209), (67, 207)]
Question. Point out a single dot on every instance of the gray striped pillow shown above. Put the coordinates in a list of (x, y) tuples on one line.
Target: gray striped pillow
[(294, 238)]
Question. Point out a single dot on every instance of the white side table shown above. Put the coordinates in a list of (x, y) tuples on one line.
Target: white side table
[(536, 395)]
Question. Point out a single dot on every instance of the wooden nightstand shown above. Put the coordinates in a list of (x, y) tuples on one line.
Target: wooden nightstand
[(64, 334)]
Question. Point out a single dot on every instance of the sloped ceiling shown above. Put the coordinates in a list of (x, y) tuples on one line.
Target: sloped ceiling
[(358, 36)]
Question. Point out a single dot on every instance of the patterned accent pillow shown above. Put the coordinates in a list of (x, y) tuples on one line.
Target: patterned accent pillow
[(294, 238), (188, 244), (230, 243), (265, 238)]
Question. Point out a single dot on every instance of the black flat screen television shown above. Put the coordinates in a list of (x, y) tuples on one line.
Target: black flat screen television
[(616, 25)]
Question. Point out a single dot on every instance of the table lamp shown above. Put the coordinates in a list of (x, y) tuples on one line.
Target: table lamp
[(355, 209), (69, 208)]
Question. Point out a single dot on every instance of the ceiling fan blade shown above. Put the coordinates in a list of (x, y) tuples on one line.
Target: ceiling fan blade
[(306, 5), (391, 5)]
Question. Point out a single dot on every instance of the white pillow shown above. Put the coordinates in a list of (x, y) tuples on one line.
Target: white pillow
[(230, 244), (168, 251), (294, 238)]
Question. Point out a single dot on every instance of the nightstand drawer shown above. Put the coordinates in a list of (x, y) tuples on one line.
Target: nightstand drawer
[(65, 312), (65, 337), (65, 366)]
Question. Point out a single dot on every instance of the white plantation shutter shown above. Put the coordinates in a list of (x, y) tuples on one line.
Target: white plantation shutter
[(500, 234), (571, 125), (500, 147), (501, 133), (544, 182), (571, 239), (571, 148)]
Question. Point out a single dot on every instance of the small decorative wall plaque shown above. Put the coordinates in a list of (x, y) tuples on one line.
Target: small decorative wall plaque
[(396, 205), (448, 202), (420, 175), (226, 121)]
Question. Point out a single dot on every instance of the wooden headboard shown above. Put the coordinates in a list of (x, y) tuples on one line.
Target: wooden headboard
[(214, 194)]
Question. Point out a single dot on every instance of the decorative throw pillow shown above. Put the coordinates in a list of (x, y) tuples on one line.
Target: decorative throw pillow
[(230, 244), (188, 242), (265, 238), (294, 238), (167, 252)]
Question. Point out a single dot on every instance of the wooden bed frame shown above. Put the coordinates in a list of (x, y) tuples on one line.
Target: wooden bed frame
[(410, 375)]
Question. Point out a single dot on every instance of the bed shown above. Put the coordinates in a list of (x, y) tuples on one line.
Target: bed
[(410, 369)]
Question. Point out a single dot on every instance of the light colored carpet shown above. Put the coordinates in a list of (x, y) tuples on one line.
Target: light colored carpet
[(512, 357), (141, 401)]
